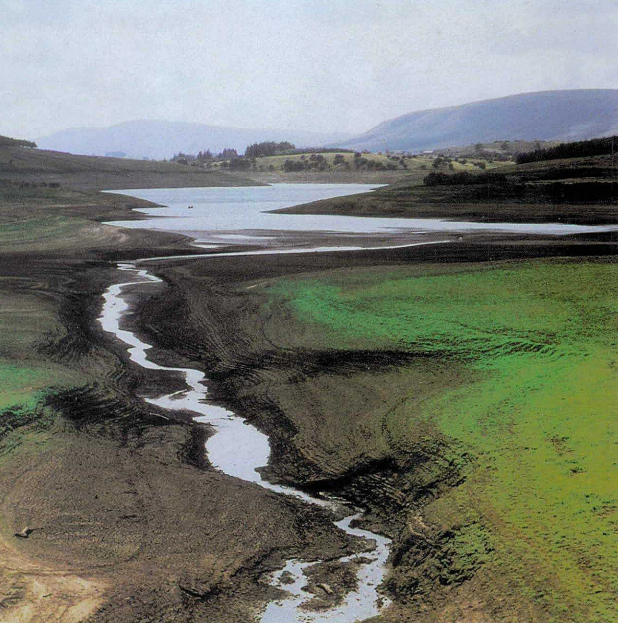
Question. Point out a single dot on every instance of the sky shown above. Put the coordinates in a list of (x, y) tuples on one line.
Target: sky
[(321, 65)]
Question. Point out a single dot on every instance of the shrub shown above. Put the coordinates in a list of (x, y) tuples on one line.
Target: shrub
[(462, 178), (578, 149), (293, 165)]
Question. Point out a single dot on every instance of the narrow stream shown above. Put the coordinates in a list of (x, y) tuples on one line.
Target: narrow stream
[(238, 449)]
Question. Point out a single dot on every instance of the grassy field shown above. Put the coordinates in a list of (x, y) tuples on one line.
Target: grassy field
[(527, 402), (347, 162), (371, 168)]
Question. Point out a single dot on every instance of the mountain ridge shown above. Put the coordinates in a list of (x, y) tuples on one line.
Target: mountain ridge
[(569, 115)]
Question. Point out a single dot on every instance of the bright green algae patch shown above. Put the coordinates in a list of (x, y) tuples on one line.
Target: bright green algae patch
[(28, 322), (21, 385), (539, 416), (24, 386)]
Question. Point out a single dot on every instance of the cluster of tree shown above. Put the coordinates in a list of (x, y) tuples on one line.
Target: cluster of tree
[(228, 154), (359, 162), (6, 141), (315, 161), (578, 149), (182, 158), (500, 151), (238, 164), (443, 161), (294, 165), (438, 178), (204, 156), (269, 148), (367, 164)]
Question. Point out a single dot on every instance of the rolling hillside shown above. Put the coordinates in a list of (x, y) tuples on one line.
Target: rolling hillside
[(547, 115), (21, 164)]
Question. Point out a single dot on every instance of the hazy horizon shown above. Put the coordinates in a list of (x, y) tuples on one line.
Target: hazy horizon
[(291, 64)]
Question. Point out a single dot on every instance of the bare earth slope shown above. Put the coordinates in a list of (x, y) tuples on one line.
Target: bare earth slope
[(575, 190), (129, 522), (354, 364)]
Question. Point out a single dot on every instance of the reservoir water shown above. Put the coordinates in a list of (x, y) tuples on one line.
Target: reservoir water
[(221, 217)]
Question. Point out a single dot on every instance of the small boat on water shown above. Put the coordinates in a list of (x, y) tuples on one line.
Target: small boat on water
[(189, 207)]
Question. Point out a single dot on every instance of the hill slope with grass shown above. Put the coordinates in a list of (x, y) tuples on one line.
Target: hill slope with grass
[(547, 115), (26, 165)]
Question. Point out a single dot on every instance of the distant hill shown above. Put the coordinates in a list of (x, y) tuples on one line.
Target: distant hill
[(163, 139), (547, 115)]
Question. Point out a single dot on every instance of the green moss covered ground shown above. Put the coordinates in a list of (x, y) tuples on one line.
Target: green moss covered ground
[(27, 379), (534, 425)]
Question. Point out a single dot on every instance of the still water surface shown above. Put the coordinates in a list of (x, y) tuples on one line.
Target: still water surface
[(240, 216)]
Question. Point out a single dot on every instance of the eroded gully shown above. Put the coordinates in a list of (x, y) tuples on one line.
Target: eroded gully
[(237, 448)]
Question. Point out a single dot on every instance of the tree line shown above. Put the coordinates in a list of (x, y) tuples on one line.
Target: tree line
[(256, 150), (268, 148), (6, 141), (578, 149)]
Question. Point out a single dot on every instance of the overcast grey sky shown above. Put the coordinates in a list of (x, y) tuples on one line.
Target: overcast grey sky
[(324, 65)]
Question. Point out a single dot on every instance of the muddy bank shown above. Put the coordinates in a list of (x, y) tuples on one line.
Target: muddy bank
[(122, 495), (313, 401), (130, 522), (130, 519), (238, 449)]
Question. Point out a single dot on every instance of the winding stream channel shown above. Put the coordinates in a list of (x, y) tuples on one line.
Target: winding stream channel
[(238, 449)]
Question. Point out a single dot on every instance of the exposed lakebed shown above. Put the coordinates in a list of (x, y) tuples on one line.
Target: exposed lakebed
[(236, 221), (239, 449)]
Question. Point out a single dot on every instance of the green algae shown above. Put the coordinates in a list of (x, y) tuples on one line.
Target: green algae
[(538, 413)]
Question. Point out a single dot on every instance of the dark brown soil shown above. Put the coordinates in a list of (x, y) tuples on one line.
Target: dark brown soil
[(131, 522), (208, 318), (533, 193), (124, 501)]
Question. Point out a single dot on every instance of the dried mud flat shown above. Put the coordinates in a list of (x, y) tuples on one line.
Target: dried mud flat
[(131, 522), (303, 397)]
